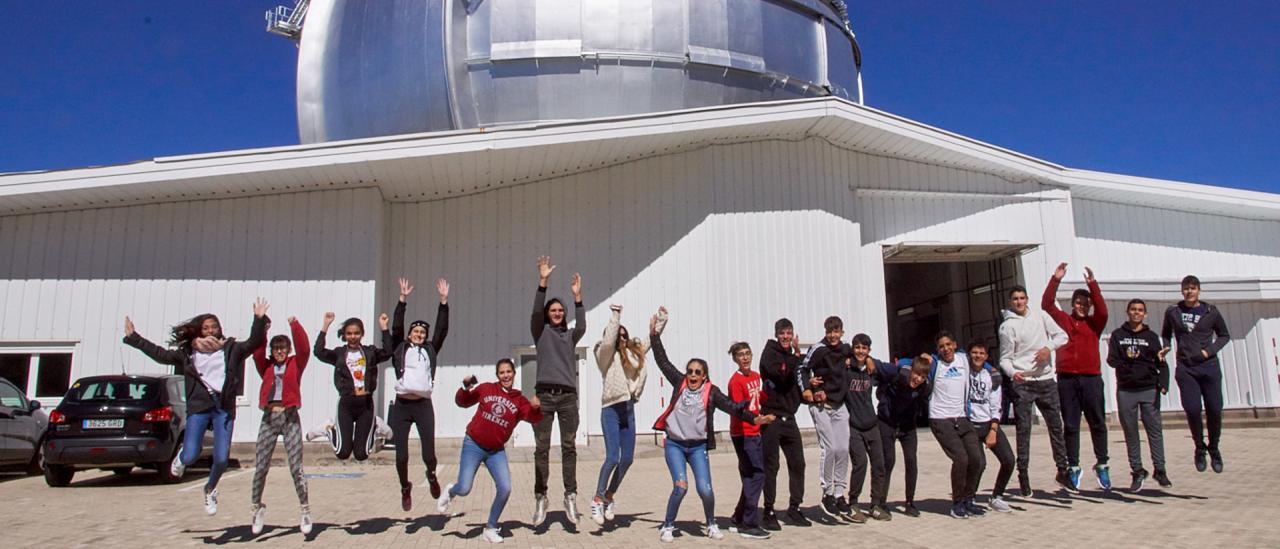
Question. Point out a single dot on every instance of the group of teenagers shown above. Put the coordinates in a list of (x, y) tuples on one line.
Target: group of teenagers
[(963, 396)]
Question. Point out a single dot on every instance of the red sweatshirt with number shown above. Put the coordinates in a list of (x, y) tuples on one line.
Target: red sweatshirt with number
[(745, 387), (1080, 355), (498, 413)]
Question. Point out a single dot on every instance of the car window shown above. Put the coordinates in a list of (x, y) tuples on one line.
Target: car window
[(11, 397), (113, 390)]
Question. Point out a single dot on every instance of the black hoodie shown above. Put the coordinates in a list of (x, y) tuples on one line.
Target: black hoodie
[(1194, 330), (827, 361), (778, 367), (1136, 357), (862, 413)]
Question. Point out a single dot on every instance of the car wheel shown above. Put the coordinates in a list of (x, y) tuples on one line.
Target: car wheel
[(121, 470), (37, 460), (58, 476), (165, 470)]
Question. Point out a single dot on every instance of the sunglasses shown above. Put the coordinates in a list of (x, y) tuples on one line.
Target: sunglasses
[(694, 372)]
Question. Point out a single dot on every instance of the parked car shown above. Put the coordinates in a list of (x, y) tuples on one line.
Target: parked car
[(21, 429), (115, 423)]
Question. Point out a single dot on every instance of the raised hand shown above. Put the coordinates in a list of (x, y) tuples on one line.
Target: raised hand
[(442, 288), (293, 319), (128, 327), (615, 308), (260, 307), (470, 381), (1088, 275), (1060, 272), (545, 268), (653, 325), (405, 288), (328, 319), (384, 321), (576, 287)]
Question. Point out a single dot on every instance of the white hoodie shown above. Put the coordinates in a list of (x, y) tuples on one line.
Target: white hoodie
[(1021, 337)]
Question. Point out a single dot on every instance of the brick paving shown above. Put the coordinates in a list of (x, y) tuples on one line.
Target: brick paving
[(1235, 509)]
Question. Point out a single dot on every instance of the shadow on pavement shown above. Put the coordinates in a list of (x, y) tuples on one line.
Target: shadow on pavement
[(622, 521)]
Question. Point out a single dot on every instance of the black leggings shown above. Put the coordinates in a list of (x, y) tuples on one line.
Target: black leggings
[(354, 427), (783, 436), (404, 414), (906, 436), (1003, 452)]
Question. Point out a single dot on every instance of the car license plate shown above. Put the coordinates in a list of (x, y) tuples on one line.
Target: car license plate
[(103, 423)]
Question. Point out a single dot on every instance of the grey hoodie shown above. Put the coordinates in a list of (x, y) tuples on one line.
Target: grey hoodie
[(1020, 338)]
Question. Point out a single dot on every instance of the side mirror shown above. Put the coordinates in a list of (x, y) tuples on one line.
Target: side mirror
[(33, 405)]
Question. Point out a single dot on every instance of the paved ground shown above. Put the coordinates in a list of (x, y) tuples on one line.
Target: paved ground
[(1235, 509)]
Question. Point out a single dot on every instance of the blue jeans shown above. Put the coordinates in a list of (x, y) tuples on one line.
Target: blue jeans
[(496, 461), (193, 440), (619, 424), (695, 456)]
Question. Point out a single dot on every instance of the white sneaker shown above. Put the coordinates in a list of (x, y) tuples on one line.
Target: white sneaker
[(176, 468), (998, 505), (597, 512), (491, 535), (667, 535), (713, 532), (539, 509), (609, 511), (305, 523), (571, 507), (446, 497), (259, 518), (211, 502)]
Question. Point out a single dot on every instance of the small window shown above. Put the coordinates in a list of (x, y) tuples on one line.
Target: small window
[(114, 390), (11, 397), (53, 378), (16, 368)]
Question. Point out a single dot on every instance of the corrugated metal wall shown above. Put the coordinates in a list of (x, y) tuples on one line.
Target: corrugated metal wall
[(75, 275)]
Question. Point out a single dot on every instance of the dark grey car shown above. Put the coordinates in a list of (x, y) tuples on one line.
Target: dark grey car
[(21, 430)]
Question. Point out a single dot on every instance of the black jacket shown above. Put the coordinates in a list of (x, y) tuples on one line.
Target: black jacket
[(778, 367), (235, 352), (396, 339), (337, 357), (862, 413), (827, 361), (899, 404), (1191, 342), (718, 399), (1136, 358)]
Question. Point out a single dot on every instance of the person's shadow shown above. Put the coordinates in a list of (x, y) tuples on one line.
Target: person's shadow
[(622, 521), (558, 517), (244, 533), (475, 529)]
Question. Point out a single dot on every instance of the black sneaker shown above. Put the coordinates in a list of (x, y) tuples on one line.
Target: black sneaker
[(1163, 479), (957, 510), (879, 512), (433, 484), (796, 518), (770, 521), (843, 506), (857, 516), (829, 506), (1215, 460), (1063, 478), (1139, 477), (972, 508), (1024, 484), (910, 510), (1200, 461), (753, 532), (406, 498)]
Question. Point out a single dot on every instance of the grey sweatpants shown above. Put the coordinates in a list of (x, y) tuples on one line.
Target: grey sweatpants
[(273, 425), (832, 425), (1131, 405)]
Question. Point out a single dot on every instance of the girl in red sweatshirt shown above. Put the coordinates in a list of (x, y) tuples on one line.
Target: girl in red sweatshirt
[(279, 400), (500, 408)]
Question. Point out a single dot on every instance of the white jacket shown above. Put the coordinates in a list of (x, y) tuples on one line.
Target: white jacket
[(620, 382), (1021, 337)]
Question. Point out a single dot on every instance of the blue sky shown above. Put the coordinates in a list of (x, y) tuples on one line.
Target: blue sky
[(1176, 89)]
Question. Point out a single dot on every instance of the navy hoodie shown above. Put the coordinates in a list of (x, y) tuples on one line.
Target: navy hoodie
[(1195, 329)]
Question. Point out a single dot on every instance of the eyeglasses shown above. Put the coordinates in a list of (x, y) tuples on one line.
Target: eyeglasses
[(742, 353)]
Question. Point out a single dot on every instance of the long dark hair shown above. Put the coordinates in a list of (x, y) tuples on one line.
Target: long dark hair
[(546, 313), (184, 332)]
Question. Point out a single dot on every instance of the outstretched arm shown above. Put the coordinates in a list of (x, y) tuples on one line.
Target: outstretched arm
[(442, 315), (608, 346), (660, 353), (301, 346), (1049, 301), (155, 352), (538, 320), (1098, 321), (579, 311), (318, 350)]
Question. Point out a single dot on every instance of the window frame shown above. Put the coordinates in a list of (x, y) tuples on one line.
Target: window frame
[(35, 349)]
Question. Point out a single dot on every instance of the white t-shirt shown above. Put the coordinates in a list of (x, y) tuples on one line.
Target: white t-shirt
[(950, 389), (355, 364), (212, 368), (417, 373), (277, 388)]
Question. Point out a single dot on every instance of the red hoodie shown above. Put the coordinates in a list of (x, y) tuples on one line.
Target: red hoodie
[(291, 397), (745, 387), (1080, 354), (499, 412)]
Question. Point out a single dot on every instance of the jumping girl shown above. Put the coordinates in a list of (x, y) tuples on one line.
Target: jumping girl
[(355, 375), (279, 400)]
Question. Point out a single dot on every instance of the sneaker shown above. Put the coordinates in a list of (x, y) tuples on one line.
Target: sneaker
[(176, 467), (304, 523), (433, 484), (406, 498), (880, 512), (597, 512), (492, 535), (1073, 478), (998, 505), (610, 510), (770, 521), (1163, 478), (539, 509), (1104, 476), (316, 433), (1139, 477), (1200, 459), (1024, 484), (259, 518), (957, 510), (1215, 460), (571, 507), (211, 501), (713, 532), (857, 516), (972, 508), (667, 534), (442, 503), (754, 532), (796, 518), (1063, 478), (829, 506), (734, 525), (910, 510), (843, 507)]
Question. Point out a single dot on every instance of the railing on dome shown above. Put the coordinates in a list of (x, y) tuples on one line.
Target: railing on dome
[(287, 22)]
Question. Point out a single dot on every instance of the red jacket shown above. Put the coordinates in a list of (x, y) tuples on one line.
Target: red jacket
[(1080, 355), (291, 397), (499, 412), (745, 388)]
